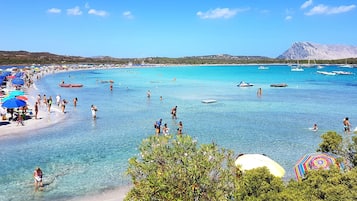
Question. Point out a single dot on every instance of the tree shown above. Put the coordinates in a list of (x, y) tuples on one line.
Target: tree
[(345, 147), (258, 184), (177, 168)]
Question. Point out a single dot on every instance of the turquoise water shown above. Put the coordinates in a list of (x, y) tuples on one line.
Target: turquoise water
[(82, 156)]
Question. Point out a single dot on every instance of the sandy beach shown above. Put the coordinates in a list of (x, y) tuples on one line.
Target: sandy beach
[(44, 119), (47, 119)]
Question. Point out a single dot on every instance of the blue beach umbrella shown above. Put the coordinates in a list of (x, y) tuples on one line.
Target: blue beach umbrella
[(18, 81), (13, 103), (16, 93)]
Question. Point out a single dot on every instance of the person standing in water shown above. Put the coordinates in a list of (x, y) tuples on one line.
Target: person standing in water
[(346, 125), (37, 175), (75, 100), (259, 92), (179, 129), (94, 111), (174, 112)]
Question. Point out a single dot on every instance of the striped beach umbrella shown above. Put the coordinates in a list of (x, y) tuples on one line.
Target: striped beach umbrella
[(315, 161)]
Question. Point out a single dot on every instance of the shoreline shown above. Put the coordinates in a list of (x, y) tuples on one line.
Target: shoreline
[(116, 194), (47, 119)]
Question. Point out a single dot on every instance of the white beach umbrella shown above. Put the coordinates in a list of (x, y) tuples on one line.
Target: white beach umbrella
[(251, 161)]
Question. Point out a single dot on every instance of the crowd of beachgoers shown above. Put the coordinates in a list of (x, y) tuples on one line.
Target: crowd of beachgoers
[(23, 106), (35, 109)]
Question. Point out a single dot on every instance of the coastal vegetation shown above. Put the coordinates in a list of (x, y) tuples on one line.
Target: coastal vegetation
[(179, 168), (43, 58)]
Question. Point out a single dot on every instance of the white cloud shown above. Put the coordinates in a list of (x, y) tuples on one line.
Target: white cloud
[(101, 13), (74, 11), (288, 18), (322, 9), (219, 13), (54, 10), (306, 4), (128, 15)]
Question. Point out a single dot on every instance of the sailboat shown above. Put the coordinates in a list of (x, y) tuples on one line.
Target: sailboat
[(346, 65)]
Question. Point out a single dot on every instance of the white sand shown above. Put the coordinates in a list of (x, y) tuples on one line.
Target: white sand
[(47, 119), (44, 118), (110, 195)]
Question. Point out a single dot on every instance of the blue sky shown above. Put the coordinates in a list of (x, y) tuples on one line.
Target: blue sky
[(173, 28)]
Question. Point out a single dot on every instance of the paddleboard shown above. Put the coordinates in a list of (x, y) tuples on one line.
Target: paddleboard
[(209, 101)]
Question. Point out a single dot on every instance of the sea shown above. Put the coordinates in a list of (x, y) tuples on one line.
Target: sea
[(82, 156)]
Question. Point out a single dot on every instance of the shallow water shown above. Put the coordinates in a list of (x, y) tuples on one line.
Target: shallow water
[(81, 156)]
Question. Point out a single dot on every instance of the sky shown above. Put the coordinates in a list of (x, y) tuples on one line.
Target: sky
[(173, 28)]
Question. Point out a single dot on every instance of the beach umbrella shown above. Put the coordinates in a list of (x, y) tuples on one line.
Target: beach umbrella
[(24, 98), (16, 93), (13, 103), (251, 161), (315, 161), (18, 81)]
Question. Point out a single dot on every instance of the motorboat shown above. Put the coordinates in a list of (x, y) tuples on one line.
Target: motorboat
[(263, 68), (279, 85), (70, 85), (245, 84), (343, 72), (297, 69), (325, 73)]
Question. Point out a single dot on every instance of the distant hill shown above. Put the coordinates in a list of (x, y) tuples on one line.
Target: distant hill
[(314, 51)]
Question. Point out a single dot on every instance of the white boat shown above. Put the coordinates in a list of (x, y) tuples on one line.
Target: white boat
[(343, 72), (209, 101), (263, 68), (297, 69), (245, 84), (346, 66), (325, 73)]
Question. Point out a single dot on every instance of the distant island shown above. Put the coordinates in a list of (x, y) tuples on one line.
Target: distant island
[(300, 52)]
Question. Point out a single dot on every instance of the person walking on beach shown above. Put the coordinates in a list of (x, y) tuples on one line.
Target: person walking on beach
[(58, 100), (174, 112), (39, 99), (45, 99), (111, 87), (94, 111), (49, 103), (346, 125), (36, 109), (37, 175), (63, 105)]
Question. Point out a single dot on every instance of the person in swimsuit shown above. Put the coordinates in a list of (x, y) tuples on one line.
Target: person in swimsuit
[(37, 175), (165, 130), (94, 111), (346, 125), (174, 112), (179, 129)]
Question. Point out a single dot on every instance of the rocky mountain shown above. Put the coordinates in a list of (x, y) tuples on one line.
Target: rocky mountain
[(307, 50)]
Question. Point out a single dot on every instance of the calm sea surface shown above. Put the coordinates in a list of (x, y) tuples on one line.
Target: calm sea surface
[(81, 155)]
